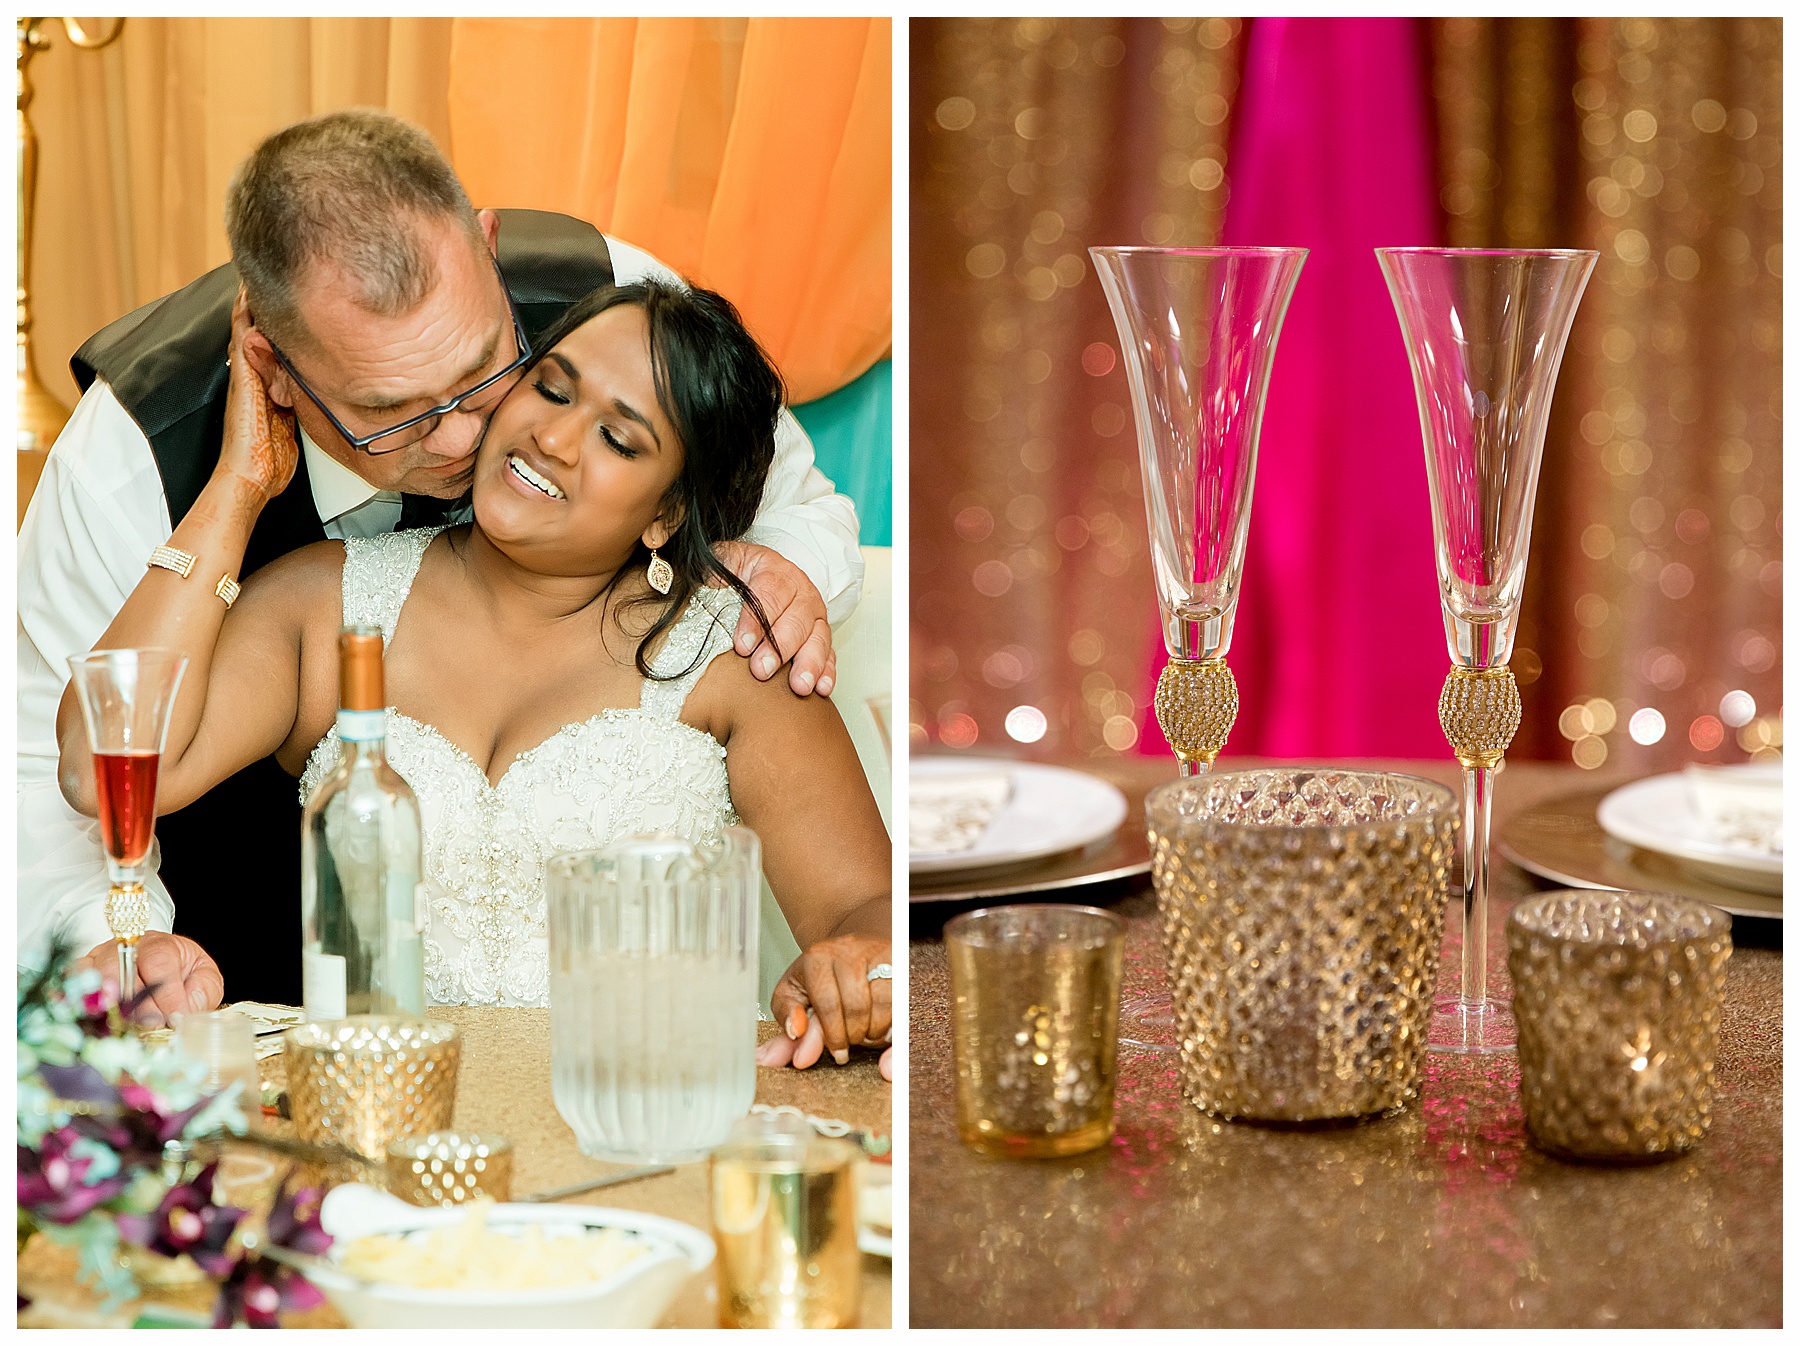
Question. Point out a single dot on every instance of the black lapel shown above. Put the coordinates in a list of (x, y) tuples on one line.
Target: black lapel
[(288, 522), (549, 262)]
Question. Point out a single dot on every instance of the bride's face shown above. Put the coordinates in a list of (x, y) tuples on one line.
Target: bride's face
[(577, 459)]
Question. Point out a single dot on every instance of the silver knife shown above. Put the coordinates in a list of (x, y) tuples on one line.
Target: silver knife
[(593, 1184)]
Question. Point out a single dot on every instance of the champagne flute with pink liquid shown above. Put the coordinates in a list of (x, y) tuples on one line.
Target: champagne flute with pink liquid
[(126, 697)]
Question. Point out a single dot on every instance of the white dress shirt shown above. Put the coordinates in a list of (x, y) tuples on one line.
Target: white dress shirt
[(98, 513)]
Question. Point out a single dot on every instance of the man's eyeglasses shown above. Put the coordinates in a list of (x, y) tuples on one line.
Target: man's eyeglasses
[(414, 429)]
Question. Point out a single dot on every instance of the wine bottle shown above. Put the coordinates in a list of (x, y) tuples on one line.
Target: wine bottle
[(362, 918)]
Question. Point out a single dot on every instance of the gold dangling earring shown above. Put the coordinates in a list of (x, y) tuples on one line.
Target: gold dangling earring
[(662, 574)]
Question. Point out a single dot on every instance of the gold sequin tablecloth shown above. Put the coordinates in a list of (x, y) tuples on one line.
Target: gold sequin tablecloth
[(504, 1087), (1443, 1216)]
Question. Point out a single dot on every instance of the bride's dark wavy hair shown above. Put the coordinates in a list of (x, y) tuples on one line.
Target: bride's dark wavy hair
[(723, 395)]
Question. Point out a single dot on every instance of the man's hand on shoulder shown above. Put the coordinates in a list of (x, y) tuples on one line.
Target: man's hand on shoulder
[(184, 975), (796, 613)]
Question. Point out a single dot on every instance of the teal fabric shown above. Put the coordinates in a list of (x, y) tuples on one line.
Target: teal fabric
[(852, 431)]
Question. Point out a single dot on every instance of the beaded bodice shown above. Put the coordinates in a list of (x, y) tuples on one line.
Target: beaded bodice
[(623, 771)]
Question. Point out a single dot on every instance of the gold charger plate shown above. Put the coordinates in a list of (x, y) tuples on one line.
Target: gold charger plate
[(1561, 840)]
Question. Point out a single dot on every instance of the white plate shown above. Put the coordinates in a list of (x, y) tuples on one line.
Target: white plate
[(1658, 814), (1052, 810), (875, 1237), (637, 1295)]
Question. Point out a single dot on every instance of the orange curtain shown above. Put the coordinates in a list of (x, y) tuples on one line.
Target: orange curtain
[(136, 143), (752, 155)]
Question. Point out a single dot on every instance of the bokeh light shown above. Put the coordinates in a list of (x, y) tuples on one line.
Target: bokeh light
[(1029, 531), (1575, 722), (1648, 726), (1120, 733), (1737, 708), (958, 730), (1026, 723), (1706, 733)]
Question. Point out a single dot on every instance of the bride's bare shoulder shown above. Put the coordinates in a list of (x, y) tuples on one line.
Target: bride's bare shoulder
[(729, 699), (299, 581)]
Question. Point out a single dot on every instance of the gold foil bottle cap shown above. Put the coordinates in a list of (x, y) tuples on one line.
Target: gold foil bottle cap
[(360, 685)]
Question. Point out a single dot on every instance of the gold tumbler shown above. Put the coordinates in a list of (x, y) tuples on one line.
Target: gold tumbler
[(447, 1168), (1302, 915), (784, 1212), (1617, 996), (370, 1079), (1036, 989)]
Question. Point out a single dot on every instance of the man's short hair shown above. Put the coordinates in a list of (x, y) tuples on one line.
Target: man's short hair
[(350, 188)]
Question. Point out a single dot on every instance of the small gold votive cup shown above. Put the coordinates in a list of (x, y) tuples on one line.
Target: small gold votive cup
[(1618, 997), (447, 1168), (370, 1079), (1302, 916), (784, 1215), (1036, 991)]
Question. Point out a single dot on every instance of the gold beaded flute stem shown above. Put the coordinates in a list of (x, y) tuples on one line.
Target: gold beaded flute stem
[(128, 917), (1479, 711), (1196, 705)]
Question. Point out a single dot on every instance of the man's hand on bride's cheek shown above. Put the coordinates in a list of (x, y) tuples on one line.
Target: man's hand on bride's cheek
[(825, 1002), (795, 611), (184, 975)]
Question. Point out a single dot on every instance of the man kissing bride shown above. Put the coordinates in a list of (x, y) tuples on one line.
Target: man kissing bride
[(580, 452)]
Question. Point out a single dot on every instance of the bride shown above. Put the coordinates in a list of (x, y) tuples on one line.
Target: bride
[(551, 668)]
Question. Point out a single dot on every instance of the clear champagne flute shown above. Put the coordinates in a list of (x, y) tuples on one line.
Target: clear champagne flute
[(1485, 331), (1197, 328), (126, 697)]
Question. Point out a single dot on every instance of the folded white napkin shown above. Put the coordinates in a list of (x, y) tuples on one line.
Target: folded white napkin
[(1741, 805), (950, 813)]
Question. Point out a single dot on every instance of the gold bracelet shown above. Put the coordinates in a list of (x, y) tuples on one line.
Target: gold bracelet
[(183, 563), (173, 558)]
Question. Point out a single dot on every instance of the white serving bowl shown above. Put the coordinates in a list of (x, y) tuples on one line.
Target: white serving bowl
[(638, 1295)]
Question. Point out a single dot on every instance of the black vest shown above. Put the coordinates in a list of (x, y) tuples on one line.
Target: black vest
[(231, 859)]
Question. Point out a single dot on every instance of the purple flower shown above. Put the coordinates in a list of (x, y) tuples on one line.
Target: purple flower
[(258, 1291), (188, 1222), (79, 1083), (51, 1180), (153, 1108), (294, 1222)]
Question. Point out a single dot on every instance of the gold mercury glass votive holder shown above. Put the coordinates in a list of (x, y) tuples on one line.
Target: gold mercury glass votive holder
[(1036, 991), (1617, 996), (447, 1168), (371, 1079), (1302, 915), (784, 1213)]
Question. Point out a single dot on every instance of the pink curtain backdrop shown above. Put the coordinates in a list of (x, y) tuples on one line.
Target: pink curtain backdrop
[(1339, 647)]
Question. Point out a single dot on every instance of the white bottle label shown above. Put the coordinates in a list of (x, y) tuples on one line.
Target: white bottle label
[(322, 984), (361, 726)]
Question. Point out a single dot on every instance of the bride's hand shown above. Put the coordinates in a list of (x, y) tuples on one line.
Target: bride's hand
[(831, 979), (259, 447)]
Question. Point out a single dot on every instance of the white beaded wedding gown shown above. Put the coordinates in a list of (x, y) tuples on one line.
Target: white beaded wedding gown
[(624, 771)]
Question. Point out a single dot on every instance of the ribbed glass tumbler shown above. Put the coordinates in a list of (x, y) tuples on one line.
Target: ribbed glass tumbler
[(1302, 916), (653, 993), (1617, 997)]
